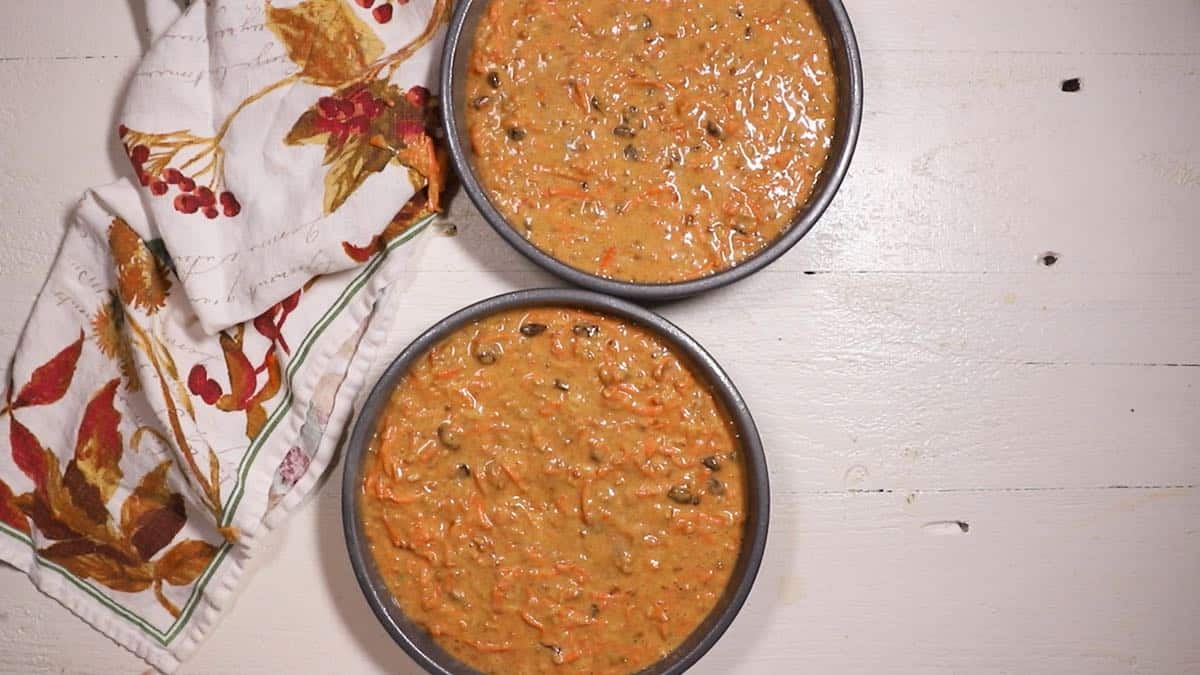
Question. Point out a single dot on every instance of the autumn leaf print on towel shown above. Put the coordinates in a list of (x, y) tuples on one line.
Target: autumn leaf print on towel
[(69, 505), (365, 122)]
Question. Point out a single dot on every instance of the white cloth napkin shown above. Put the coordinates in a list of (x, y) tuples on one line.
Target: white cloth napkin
[(189, 367)]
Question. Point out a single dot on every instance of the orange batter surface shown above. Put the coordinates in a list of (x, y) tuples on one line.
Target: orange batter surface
[(650, 141), (553, 490)]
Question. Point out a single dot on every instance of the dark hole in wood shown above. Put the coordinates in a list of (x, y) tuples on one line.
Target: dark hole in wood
[(1071, 86), (1049, 259)]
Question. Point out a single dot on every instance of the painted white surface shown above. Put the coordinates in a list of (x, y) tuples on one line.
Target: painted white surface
[(930, 371)]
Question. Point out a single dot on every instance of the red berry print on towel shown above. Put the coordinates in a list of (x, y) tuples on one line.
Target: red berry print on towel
[(348, 113), (365, 122), (151, 156), (250, 386)]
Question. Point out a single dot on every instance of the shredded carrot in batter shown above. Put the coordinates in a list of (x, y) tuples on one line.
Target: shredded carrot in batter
[(709, 125), (546, 523)]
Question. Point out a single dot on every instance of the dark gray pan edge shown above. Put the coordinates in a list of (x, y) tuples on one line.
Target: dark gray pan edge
[(848, 66), (414, 640)]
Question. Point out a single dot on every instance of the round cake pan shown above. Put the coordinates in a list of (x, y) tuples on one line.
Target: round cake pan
[(848, 70), (409, 635)]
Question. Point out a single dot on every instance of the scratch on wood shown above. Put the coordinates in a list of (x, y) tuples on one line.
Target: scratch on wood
[(990, 490), (1139, 364), (9, 59), (941, 528), (1020, 52)]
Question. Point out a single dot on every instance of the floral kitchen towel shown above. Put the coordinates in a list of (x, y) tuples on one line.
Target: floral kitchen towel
[(192, 360)]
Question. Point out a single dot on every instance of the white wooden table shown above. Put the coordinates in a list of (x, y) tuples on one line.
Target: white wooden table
[(913, 363)]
